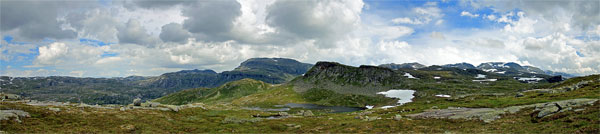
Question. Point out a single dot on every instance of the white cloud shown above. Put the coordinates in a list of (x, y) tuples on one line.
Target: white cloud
[(524, 25), (51, 54), (437, 35), (491, 17), (468, 14), (406, 20), (556, 52), (323, 21), (133, 32), (181, 37), (108, 60), (389, 32)]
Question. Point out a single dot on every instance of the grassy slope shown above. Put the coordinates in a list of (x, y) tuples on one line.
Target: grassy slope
[(224, 93), (86, 120), (278, 95)]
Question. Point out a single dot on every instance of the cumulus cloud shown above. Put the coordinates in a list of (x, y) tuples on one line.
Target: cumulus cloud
[(325, 21), (51, 54), (556, 52), (211, 20), (154, 37), (523, 25), (67, 54), (174, 32), (35, 20), (95, 24), (134, 33)]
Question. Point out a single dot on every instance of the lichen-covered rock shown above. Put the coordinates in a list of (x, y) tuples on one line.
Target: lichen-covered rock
[(373, 118), (8, 96), (283, 114), (150, 104), (173, 108), (14, 114), (307, 113), (398, 117), (137, 102), (54, 109)]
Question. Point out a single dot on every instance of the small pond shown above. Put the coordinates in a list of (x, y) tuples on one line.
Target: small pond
[(331, 109)]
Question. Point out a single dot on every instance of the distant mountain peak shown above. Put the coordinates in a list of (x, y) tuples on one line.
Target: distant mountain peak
[(284, 65), (462, 65), (413, 65)]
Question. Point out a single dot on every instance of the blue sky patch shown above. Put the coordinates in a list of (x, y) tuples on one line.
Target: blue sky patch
[(93, 42)]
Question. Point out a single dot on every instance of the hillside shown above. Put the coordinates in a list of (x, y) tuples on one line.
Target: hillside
[(223, 93), (270, 70)]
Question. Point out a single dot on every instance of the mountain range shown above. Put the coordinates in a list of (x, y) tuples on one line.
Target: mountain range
[(122, 90)]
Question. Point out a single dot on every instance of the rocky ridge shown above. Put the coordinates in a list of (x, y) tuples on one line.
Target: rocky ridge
[(490, 114)]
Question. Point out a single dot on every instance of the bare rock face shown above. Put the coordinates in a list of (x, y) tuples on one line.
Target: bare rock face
[(363, 75)]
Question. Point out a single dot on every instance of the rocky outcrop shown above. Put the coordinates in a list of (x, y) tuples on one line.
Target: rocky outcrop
[(16, 115), (362, 75), (7, 96), (548, 109), (490, 114)]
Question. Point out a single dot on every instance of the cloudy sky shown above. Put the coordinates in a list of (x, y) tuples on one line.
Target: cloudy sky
[(109, 38)]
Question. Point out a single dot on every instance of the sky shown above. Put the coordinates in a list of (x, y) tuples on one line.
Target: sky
[(116, 38)]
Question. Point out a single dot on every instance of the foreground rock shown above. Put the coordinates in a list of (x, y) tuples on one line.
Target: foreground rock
[(137, 102), (306, 113), (490, 114), (13, 114)]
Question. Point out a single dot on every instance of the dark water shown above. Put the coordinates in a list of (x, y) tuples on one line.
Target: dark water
[(332, 109), (329, 109)]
